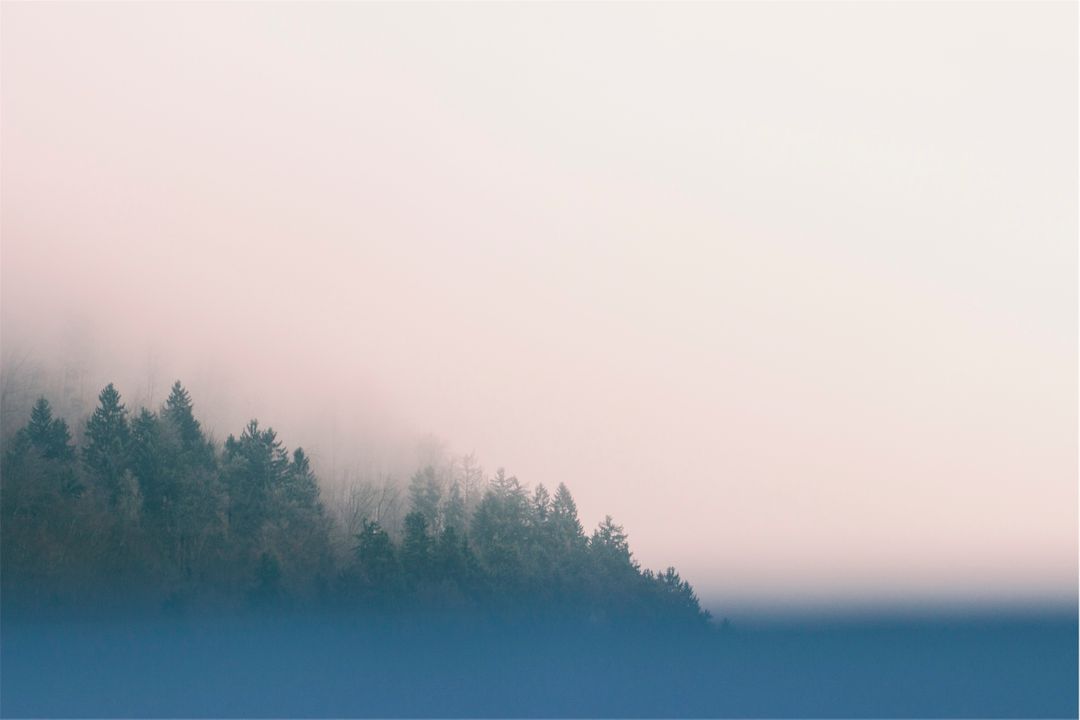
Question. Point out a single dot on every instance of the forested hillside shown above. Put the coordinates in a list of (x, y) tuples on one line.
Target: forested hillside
[(146, 511)]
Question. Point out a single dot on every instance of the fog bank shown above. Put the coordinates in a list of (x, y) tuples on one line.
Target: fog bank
[(790, 291)]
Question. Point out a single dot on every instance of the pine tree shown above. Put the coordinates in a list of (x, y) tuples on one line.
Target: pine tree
[(454, 510), (263, 457), (42, 533), (255, 467), (500, 530), (504, 485), (106, 452), (454, 565), (564, 520), (179, 413), (49, 435), (609, 545), (677, 596), (40, 423), (301, 488), (252, 522), (416, 547), (150, 462), (375, 555)]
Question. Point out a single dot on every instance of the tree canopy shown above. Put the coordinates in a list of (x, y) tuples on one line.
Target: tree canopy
[(148, 509)]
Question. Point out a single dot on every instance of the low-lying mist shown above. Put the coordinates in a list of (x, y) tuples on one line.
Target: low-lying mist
[(804, 324)]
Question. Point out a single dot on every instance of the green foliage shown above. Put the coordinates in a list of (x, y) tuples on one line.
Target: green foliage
[(609, 546), (107, 447), (154, 510), (416, 549), (375, 574), (253, 467), (149, 456), (500, 530), (565, 524), (301, 488), (49, 435), (191, 445), (454, 511)]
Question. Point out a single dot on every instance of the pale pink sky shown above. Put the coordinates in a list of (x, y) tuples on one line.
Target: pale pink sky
[(788, 289)]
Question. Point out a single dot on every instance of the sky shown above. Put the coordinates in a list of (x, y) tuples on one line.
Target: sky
[(790, 290)]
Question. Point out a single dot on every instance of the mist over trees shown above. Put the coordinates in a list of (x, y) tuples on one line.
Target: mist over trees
[(144, 509)]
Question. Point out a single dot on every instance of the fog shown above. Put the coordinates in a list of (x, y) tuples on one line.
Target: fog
[(790, 291)]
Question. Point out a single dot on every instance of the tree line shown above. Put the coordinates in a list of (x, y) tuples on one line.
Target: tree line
[(147, 510)]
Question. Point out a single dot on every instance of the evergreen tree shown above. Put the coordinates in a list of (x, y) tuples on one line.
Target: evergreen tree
[(256, 466), (677, 595), (448, 553), (609, 542), (615, 575), (504, 485), (301, 488), (454, 510), (262, 460), (375, 555), (500, 530), (179, 413), (541, 552), (49, 435), (455, 566), (150, 461), (416, 547), (40, 422), (564, 520), (251, 524), (184, 488), (106, 453), (44, 538)]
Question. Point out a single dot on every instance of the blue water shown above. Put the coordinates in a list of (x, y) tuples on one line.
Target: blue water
[(957, 666)]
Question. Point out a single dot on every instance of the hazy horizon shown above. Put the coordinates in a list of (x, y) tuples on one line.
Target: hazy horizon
[(788, 290)]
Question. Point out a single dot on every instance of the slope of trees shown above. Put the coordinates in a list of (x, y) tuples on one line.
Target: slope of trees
[(148, 511)]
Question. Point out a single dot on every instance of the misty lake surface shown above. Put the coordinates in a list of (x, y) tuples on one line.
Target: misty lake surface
[(1007, 666)]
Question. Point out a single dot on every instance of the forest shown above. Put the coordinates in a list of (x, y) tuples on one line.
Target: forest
[(146, 511)]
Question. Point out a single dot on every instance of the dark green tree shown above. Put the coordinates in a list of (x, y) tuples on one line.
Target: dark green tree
[(106, 452), (301, 487), (255, 467), (49, 435), (500, 530), (566, 526), (416, 548), (609, 544), (455, 568), (249, 523), (150, 461), (677, 597), (178, 412), (453, 512), (375, 556), (44, 536)]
